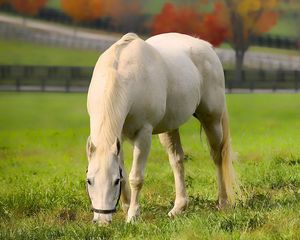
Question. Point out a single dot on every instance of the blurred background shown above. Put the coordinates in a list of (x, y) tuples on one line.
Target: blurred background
[(52, 45), (48, 50)]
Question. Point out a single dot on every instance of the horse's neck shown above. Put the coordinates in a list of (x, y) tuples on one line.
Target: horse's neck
[(113, 113)]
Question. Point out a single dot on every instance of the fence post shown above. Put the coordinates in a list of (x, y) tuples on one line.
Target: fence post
[(262, 75), (67, 84), (18, 84), (43, 84), (296, 80), (251, 86), (228, 83), (277, 79)]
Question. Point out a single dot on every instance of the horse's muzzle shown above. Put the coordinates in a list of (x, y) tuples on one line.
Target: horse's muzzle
[(102, 219)]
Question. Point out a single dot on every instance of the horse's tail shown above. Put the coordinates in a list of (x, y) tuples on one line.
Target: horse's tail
[(119, 45), (128, 37), (230, 180)]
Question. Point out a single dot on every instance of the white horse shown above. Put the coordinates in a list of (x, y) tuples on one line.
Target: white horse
[(140, 88)]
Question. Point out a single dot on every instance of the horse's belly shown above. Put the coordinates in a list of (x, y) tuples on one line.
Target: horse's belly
[(183, 97), (181, 104), (174, 117)]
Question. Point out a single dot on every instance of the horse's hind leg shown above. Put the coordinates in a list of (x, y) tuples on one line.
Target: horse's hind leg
[(217, 132), (172, 144)]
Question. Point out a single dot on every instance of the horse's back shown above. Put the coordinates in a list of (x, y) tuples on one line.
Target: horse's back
[(195, 74), (183, 48)]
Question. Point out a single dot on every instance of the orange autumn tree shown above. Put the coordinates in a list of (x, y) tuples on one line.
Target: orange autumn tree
[(248, 18), (236, 21), (124, 13), (207, 26), (83, 10), (2, 2), (28, 7)]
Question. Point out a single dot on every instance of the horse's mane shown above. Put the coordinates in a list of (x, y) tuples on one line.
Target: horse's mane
[(114, 98)]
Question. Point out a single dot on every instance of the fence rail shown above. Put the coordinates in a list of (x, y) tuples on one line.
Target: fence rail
[(44, 78), (76, 79)]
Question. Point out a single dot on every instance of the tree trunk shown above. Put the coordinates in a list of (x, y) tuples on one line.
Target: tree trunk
[(239, 62)]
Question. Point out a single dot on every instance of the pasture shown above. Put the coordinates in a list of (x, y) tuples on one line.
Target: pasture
[(16, 52), (42, 174)]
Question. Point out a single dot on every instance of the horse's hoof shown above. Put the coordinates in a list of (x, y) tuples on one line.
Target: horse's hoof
[(133, 214), (176, 211), (179, 207), (131, 219), (223, 204)]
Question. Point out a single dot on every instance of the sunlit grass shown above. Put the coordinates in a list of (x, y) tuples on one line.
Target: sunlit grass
[(42, 174)]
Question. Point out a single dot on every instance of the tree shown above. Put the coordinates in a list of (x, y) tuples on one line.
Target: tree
[(175, 19), (125, 14), (248, 18), (237, 22), (83, 10), (213, 27), (28, 7), (2, 2), (208, 26)]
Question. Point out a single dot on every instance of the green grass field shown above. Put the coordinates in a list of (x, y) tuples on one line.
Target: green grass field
[(42, 174), (24, 53)]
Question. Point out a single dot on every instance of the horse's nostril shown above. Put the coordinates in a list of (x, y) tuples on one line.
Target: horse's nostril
[(94, 221)]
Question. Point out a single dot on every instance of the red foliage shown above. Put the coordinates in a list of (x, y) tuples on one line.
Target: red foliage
[(28, 7), (214, 27), (210, 26), (173, 19)]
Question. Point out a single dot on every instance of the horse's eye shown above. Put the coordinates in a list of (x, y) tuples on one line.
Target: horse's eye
[(117, 182), (89, 181)]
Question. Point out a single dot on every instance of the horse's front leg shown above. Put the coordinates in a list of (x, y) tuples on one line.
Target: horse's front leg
[(142, 144), (125, 193)]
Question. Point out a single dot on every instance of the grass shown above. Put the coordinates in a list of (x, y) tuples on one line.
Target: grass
[(55, 4), (15, 52), (288, 52), (42, 174), (286, 27), (24, 53)]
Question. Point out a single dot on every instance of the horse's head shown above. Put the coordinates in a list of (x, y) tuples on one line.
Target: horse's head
[(104, 176)]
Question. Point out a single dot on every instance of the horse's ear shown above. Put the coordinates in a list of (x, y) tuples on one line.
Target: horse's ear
[(116, 147), (90, 147)]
